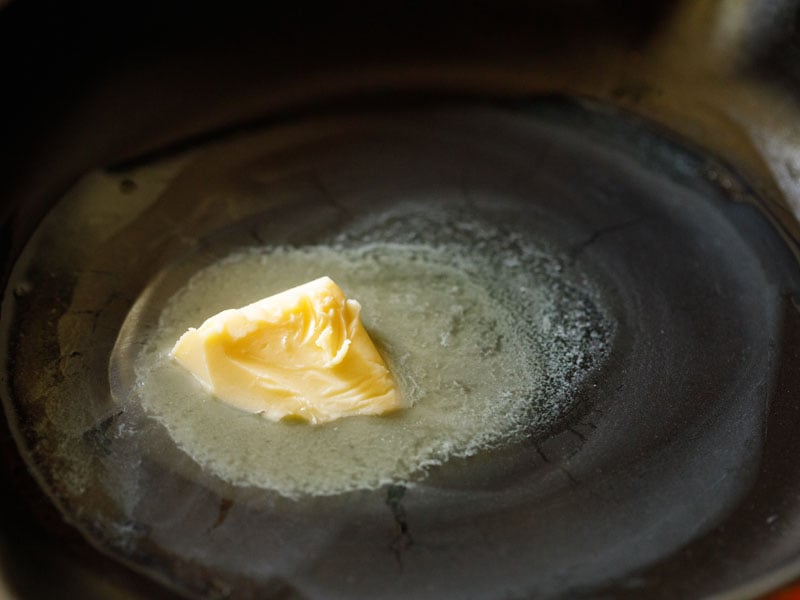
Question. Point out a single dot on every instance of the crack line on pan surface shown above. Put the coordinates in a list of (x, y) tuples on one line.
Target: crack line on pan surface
[(577, 434), (95, 313), (576, 250), (557, 465), (97, 434), (257, 237), (316, 181), (541, 454), (403, 540), (224, 507)]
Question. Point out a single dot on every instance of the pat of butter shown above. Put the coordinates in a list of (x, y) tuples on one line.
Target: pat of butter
[(301, 354)]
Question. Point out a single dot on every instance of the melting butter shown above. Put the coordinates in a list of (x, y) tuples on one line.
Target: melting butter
[(461, 326), (300, 354)]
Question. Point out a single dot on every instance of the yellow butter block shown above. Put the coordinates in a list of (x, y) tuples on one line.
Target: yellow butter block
[(301, 354)]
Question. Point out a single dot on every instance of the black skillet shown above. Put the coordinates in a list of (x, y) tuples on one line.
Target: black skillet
[(675, 474)]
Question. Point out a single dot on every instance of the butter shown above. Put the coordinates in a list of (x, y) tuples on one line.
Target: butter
[(300, 354)]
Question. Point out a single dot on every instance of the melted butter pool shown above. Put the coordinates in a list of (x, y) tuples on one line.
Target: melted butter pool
[(483, 332)]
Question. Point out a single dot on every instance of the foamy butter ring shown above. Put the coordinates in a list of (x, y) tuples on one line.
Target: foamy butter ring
[(300, 354)]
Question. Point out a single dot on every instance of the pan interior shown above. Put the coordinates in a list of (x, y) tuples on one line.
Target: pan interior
[(601, 289)]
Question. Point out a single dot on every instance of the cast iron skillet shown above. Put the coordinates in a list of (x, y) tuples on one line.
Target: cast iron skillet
[(181, 82)]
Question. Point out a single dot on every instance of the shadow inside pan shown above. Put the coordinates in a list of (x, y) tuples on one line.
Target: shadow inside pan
[(657, 450)]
